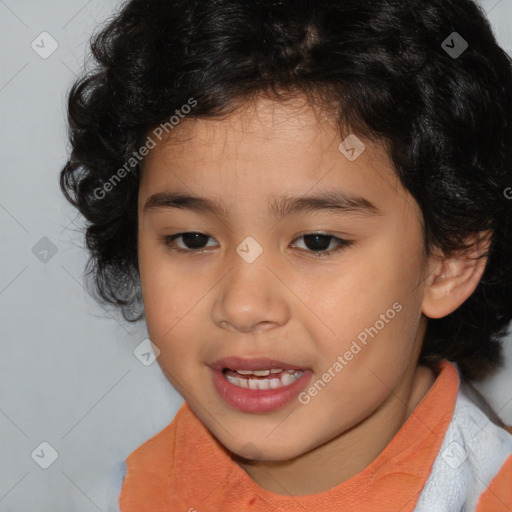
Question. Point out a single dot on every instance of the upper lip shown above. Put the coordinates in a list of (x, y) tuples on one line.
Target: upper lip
[(251, 363)]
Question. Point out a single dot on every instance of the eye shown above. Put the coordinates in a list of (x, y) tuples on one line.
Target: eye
[(316, 243), (190, 238), (319, 242)]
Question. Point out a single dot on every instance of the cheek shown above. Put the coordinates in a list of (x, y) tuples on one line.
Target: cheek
[(167, 296), (353, 297), (170, 324), (373, 313)]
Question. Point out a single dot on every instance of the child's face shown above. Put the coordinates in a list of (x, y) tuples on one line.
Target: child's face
[(282, 304)]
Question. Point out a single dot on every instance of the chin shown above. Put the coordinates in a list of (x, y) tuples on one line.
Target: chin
[(268, 453)]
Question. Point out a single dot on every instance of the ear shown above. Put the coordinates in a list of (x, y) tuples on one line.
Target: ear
[(452, 280)]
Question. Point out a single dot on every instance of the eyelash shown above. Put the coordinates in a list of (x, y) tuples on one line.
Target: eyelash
[(341, 243)]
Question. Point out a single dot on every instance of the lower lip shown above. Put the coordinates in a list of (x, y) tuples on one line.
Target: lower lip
[(258, 400)]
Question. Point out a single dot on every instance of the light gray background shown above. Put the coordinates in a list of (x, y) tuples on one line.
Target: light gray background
[(69, 376)]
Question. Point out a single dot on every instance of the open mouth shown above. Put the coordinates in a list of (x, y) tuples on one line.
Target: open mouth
[(262, 379), (258, 384)]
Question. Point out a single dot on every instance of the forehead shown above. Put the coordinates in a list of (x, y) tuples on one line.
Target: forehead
[(262, 150)]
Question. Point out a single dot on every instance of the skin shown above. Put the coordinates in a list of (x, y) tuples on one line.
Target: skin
[(287, 304)]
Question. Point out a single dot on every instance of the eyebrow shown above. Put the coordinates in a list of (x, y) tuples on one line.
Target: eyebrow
[(330, 201)]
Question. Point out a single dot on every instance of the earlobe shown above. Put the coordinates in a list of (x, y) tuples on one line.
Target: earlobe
[(453, 279)]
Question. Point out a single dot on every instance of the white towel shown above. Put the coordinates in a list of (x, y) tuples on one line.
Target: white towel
[(473, 451)]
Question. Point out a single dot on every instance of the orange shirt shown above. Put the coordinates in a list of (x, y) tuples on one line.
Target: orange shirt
[(184, 468)]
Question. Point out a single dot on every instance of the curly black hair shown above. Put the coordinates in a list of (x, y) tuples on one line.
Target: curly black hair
[(395, 71)]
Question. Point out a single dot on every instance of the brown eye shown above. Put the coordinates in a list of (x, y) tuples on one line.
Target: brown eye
[(318, 243), (193, 241)]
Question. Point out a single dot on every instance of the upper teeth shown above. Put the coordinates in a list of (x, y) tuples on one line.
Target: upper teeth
[(282, 378), (262, 373)]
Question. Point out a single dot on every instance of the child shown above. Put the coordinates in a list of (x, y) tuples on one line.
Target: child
[(316, 376)]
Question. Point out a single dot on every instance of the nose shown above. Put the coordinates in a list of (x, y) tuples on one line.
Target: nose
[(251, 298)]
